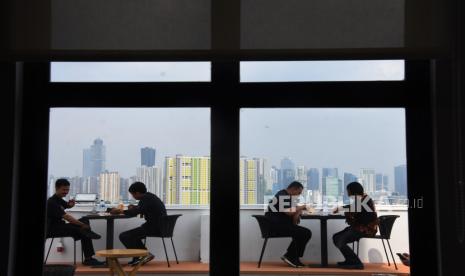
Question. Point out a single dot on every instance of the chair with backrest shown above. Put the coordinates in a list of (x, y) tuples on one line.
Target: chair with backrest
[(167, 224), (266, 228), (51, 243), (385, 228)]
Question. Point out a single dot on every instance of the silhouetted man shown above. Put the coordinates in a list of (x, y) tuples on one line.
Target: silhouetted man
[(78, 229), (152, 208), (363, 221), (285, 217)]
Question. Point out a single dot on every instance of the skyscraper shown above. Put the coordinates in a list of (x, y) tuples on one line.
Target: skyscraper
[(329, 172), (124, 187), (287, 164), (285, 177), (386, 183), (87, 163), (367, 179), (379, 182), (348, 178), (147, 157), (90, 185), (331, 187), (151, 177), (274, 177), (94, 159), (252, 180), (313, 179), (301, 175), (400, 179), (187, 180), (110, 186), (76, 185)]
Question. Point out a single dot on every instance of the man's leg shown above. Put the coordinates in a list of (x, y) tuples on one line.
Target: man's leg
[(300, 238), (86, 243), (73, 231), (132, 239), (341, 239)]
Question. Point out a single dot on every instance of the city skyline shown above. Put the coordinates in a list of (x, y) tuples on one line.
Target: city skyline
[(186, 179), (345, 138)]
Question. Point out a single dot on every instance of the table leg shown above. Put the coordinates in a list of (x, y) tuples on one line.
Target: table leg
[(110, 266), (324, 243), (117, 266), (110, 232), (135, 269)]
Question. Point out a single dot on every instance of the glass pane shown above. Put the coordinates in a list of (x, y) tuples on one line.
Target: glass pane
[(103, 151), (322, 24), (130, 71), (130, 25), (338, 70), (323, 149)]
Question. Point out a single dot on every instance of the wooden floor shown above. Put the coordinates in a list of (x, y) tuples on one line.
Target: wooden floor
[(159, 267)]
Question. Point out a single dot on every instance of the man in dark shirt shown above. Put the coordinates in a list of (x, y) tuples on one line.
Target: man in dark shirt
[(284, 216), (363, 221), (152, 208), (78, 229)]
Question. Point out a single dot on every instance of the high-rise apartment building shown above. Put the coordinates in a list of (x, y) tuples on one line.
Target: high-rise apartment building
[(252, 180), (187, 180), (110, 186)]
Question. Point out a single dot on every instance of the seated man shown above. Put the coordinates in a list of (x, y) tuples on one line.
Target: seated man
[(78, 229), (285, 215), (152, 208), (363, 221)]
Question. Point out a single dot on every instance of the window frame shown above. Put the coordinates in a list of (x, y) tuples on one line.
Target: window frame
[(225, 95)]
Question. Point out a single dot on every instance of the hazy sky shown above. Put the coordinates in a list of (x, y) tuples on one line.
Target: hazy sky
[(124, 132), (349, 139)]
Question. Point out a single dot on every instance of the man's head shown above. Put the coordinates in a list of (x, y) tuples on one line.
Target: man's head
[(137, 190), (295, 188), (354, 188), (62, 187)]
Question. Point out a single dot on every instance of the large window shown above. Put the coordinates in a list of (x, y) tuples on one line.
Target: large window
[(104, 150), (324, 149)]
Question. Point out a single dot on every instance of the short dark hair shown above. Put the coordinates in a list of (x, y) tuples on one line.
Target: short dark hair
[(138, 187), (295, 184), (62, 182), (355, 188)]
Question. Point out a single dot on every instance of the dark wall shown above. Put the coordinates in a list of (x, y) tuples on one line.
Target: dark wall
[(7, 100)]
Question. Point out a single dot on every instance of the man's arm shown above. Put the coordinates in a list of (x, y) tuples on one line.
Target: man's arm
[(69, 218), (296, 211)]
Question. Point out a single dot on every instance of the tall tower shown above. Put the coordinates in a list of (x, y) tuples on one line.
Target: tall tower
[(313, 179), (93, 162), (147, 157), (400, 179)]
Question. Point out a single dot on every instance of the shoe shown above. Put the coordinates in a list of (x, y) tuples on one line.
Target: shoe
[(299, 263), (147, 259), (352, 266), (93, 262), (294, 262), (90, 234), (134, 261)]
